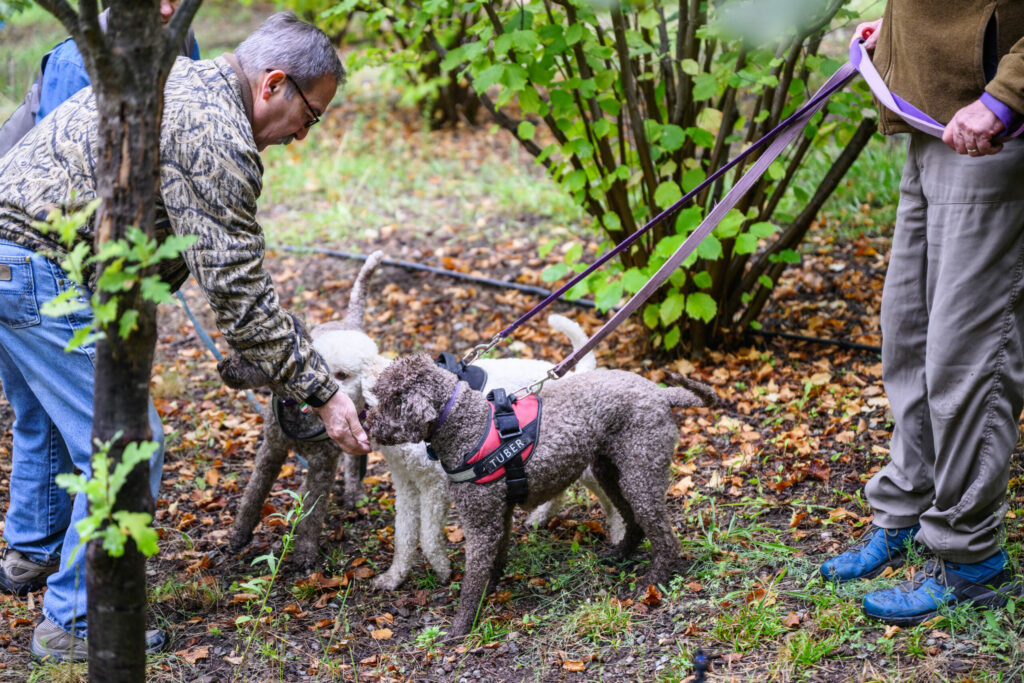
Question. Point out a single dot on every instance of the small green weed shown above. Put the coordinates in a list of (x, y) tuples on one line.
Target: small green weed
[(599, 622)]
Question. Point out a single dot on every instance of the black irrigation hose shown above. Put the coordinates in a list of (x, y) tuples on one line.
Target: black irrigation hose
[(817, 340), (540, 291), (408, 265)]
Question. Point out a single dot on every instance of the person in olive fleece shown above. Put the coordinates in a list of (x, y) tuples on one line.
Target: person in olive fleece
[(218, 115), (952, 309)]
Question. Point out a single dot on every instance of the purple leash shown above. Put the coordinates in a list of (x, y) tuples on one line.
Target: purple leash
[(779, 138)]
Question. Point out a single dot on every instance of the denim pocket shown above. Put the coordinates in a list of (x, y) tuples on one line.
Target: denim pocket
[(18, 305)]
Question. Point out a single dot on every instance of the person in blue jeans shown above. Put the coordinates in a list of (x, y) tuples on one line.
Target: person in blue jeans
[(38, 387), (65, 72)]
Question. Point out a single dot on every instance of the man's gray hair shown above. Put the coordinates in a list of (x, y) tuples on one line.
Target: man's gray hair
[(287, 43)]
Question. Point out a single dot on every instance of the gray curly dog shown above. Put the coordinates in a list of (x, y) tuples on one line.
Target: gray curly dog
[(616, 422), (348, 370)]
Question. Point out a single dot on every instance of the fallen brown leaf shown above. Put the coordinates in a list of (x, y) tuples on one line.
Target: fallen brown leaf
[(195, 654)]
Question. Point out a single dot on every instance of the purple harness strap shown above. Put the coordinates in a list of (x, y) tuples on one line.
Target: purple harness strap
[(447, 409), (777, 140)]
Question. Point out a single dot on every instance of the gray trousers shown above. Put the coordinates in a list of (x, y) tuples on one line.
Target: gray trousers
[(952, 352)]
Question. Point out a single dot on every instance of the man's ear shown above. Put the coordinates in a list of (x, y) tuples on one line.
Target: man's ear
[(271, 82)]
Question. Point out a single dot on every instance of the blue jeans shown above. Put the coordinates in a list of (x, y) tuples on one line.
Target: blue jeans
[(51, 393)]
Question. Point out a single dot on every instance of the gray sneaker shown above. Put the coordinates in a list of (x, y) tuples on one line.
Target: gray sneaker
[(20, 575), (51, 642)]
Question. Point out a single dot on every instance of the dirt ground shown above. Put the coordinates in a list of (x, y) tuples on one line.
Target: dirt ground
[(765, 485)]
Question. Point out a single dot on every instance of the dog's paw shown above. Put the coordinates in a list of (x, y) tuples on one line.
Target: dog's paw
[(388, 581)]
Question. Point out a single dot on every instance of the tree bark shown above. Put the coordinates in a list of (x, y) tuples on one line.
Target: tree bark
[(128, 67)]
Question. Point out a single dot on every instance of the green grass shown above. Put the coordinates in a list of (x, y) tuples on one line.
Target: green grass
[(363, 175)]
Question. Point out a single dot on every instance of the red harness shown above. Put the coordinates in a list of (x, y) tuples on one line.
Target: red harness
[(504, 448)]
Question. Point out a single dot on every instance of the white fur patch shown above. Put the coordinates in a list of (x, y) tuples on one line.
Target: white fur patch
[(346, 351)]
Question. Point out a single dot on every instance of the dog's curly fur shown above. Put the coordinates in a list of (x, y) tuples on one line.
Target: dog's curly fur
[(421, 486), (616, 422), (348, 370)]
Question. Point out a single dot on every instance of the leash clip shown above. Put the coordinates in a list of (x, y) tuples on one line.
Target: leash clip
[(535, 387), (480, 349)]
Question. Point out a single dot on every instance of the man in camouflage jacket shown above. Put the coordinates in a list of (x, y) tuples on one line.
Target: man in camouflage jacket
[(218, 115)]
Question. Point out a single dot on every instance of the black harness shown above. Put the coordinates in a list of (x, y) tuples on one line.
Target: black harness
[(298, 421), (509, 440)]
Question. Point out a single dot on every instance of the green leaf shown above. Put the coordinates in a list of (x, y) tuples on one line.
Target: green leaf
[(692, 178), (648, 19), (608, 296), (672, 137), (765, 281), (762, 229), (65, 303), (515, 77), (702, 279), (730, 225), (530, 102), (701, 306), (137, 526), (667, 194), (690, 67), (554, 272), (526, 130), (700, 136), (129, 323), (745, 244), (488, 77), (704, 87), (156, 290), (671, 308), (710, 248), (651, 315), (633, 280), (525, 41), (576, 180), (573, 253), (574, 34), (672, 338)]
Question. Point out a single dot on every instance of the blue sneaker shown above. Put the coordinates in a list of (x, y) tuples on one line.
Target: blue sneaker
[(945, 584), (879, 548)]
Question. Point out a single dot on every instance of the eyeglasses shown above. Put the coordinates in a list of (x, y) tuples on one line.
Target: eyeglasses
[(316, 117)]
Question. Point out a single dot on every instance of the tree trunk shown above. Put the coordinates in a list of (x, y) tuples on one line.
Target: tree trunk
[(128, 67), (127, 174)]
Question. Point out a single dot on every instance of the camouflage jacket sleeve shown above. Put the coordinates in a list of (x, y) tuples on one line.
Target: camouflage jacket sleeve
[(211, 177)]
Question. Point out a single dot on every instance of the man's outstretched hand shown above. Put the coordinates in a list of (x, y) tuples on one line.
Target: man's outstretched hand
[(342, 423)]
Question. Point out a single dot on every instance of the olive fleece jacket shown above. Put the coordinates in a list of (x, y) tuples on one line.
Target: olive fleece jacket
[(931, 53)]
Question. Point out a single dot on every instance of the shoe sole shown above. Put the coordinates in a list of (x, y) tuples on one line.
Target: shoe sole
[(157, 644), (991, 598), (46, 655), (21, 589)]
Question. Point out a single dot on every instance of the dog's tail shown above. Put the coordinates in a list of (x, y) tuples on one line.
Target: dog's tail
[(357, 298), (691, 394), (353, 319), (577, 337)]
